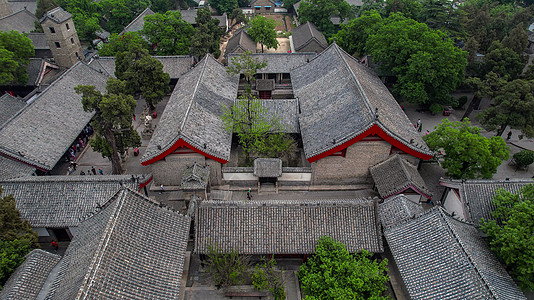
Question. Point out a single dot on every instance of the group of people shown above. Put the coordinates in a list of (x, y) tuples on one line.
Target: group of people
[(419, 125), (79, 143), (92, 172)]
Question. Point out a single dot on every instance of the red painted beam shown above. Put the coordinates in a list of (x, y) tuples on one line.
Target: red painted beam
[(374, 130), (181, 143)]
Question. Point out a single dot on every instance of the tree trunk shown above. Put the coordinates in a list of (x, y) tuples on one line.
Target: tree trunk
[(501, 130), (261, 48), (116, 165)]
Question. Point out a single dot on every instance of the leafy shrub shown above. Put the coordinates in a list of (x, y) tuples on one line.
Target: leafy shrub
[(436, 108), (265, 278), (524, 158), (226, 268)]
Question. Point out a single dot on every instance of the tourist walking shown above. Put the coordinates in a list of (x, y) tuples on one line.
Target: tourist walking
[(93, 170)]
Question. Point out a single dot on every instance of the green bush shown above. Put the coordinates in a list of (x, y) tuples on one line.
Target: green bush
[(12, 254), (227, 268), (436, 108), (524, 158), (265, 278)]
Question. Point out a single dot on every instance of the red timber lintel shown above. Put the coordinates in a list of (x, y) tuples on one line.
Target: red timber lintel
[(181, 143), (143, 184), (374, 130), (26, 163)]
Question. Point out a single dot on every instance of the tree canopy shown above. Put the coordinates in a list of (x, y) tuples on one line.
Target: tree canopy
[(225, 6), (426, 63), (262, 31), (207, 35), (512, 239), (333, 273), (44, 6), (122, 43), (112, 120), (168, 33), (512, 105), (142, 74), (319, 12), (15, 52), (467, 154), (16, 237)]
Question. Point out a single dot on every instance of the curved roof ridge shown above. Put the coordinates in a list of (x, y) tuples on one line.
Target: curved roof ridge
[(402, 140), (448, 219), (199, 79), (358, 84)]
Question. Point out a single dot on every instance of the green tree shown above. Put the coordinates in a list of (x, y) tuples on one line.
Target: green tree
[(207, 34), (224, 6), (15, 52), (503, 61), (524, 158), (517, 40), (237, 17), (409, 8), (443, 15), (122, 43), (168, 33), (85, 15), (162, 6), (353, 35), (226, 267), (259, 133), (44, 6), (427, 64), (333, 273), (376, 5), (16, 237), (120, 13), (512, 105), (319, 12), (112, 120), (511, 240), (143, 74), (467, 154), (266, 278), (262, 31)]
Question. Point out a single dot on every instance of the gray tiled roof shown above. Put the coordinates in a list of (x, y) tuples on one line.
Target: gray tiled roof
[(58, 15), (279, 62), (395, 175), (30, 5), (134, 248), (39, 41), (286, 227), (12, 169), (62, 201), (28, 279), (138, 22), (477, 195), (43, 131), (285, 111), (193, 112), (305, 33), (267, 167), (20, 21), (398, 209), (195, 177), (355, 2), (35, 69), (241, 40), (175, 65), (339, 99), (440, 257), (9, 107)]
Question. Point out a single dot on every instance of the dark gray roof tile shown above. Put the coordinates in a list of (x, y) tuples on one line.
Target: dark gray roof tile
[(28, 279), (43, 131), (477, 195), (62, 201), (138, 23), (440, 257), (58, 15), (20, 21), (240, 40), (134, 248), (9, 107), (175, 65), (267, 167), (195, 177), (193, 112), (340, 99), (286, 227), (398, 209), (305, 33), (12, 169), (279, 62), (395, 175), (39, 41)]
